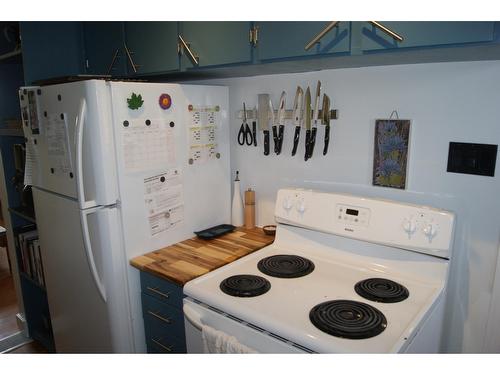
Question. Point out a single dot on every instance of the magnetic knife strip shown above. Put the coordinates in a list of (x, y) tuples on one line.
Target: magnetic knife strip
[(252, 114)]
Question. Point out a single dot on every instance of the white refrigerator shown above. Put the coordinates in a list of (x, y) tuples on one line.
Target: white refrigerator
[(119, 169)]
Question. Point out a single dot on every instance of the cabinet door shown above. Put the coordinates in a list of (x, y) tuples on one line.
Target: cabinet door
[(288, 39), (51, 49), (152, 47), (423, 34), (216, 43), (104, 52)]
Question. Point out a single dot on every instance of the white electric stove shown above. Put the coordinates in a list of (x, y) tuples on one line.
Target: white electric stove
[(345, 274)]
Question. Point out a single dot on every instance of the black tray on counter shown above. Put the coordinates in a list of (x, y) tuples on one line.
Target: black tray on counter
[(219, 230)]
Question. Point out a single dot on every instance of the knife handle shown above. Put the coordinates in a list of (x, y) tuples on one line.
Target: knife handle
[(296, 137), (327, 139), (254, 133), (312, 142), (266, 142), (280, 138), (308, 144), (275, 138)]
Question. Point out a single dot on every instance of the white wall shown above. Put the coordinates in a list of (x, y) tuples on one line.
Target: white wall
[(446, 102)]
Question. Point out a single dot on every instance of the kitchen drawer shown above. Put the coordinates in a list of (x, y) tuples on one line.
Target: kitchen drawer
[(161, 318), (165, 345), (161, 289)]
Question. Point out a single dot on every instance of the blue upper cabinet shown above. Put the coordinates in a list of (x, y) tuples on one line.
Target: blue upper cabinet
[(215, 43), (51, 49), (280, 40), (424, 34), (151, 47), (104, 48)]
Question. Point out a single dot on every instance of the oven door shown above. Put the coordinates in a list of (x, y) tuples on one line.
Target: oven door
[(198, 315)]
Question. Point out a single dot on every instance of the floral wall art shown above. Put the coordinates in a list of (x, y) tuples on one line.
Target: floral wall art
[(391, 153)]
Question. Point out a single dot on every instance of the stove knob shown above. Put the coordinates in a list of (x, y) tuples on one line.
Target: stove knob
[(430, 231), (300, 206), (409, 226), (287, 203)]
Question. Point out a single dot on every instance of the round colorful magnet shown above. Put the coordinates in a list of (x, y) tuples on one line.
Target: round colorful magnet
[(165, 101)]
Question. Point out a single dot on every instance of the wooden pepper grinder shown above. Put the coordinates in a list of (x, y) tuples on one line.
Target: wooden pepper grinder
[(249, 209)]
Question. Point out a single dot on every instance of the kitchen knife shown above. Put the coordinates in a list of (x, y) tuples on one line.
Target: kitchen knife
[(254, 130), (281, 122), (307, 121), (316, 120), (326, 121), (263, 117), (297, 118), (273, 125)]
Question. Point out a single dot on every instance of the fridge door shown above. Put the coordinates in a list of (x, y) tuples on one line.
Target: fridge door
[(74, 148), (201, 191), (84, 274)]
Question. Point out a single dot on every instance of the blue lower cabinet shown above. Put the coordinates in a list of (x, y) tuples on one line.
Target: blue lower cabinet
[(164, 345), (161, 317), (162, 314), (162, 290)]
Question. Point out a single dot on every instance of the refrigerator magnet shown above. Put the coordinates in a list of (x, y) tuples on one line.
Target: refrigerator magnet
[(165, 101)]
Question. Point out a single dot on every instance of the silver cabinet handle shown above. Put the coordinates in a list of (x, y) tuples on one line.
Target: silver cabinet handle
[(129, 55), (167, 348), (158, 316), (155, 290), (320, 35), (387, 30), (194, 59), (113, 61)]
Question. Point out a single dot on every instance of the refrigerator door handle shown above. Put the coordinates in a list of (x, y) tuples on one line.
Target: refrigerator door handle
[(80, 121), (88, 252)]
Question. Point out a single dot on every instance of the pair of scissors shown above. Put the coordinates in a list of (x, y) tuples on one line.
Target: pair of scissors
[(245, 134)]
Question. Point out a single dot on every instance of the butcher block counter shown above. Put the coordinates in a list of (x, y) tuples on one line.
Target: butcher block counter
[(194, 257)]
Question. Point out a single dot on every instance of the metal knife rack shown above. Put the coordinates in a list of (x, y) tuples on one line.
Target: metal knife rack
[(252, 114)]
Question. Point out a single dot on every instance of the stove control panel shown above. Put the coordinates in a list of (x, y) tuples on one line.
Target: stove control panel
[(353, 215), (421, 223), (403, 225)]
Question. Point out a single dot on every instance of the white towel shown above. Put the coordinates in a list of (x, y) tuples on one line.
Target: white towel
[(215, 341)]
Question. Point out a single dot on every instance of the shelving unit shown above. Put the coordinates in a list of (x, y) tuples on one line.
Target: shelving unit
[(24, 213), (22, 219), (36, 307)]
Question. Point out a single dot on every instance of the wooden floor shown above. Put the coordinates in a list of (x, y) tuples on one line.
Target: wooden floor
[(8, 302)]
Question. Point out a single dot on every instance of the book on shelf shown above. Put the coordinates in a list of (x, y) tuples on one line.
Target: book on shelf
[(31, 259)]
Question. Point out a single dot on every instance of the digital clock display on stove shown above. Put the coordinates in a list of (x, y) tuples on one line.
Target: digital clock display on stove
[(350, 211)]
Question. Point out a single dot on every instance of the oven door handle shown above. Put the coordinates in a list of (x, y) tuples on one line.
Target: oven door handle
[(192, 317)]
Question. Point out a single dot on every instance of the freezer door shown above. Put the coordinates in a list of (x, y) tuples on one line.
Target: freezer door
[(153, 140), (75, 150), (74, 278)]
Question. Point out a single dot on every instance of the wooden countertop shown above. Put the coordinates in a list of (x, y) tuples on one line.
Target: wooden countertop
[(194, 257)]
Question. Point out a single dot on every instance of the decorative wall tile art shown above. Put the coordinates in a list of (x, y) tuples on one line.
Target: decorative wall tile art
[(391, 153)]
